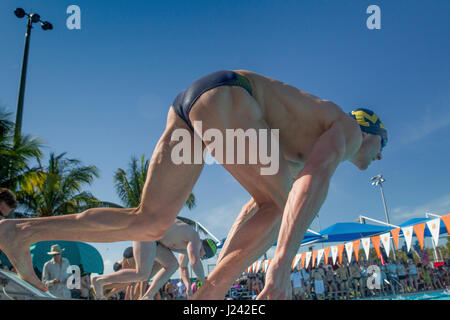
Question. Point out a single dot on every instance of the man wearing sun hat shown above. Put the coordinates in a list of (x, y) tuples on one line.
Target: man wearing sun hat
[(55, 275)]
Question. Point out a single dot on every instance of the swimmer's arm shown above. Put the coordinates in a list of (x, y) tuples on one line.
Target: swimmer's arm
[(309, 192), (193, 251)]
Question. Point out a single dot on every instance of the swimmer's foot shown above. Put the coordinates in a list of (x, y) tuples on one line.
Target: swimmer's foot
[(97, 286), (17, 248)]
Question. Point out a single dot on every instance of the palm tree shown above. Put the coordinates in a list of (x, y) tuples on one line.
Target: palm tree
[(16, 156), (129, 184), (57, 188)]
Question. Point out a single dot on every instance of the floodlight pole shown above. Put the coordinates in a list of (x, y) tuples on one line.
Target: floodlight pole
[(23, 76), (31, 18), (378, 181)]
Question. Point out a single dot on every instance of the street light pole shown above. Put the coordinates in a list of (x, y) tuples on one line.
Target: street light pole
[(378, 181), (23, 76), (32, 18)]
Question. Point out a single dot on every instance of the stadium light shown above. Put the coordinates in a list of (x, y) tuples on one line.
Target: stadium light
[(378, 181)]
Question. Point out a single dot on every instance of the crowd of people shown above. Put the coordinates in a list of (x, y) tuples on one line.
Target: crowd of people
[(362, 279)]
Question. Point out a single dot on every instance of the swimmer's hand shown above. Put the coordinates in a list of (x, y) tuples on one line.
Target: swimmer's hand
[(278, 284)]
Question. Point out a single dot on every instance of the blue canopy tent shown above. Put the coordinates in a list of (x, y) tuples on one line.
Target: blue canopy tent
[(309, 237), (347, 231), (76, 252)]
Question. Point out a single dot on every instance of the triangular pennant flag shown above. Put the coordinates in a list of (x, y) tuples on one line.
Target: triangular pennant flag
[(296, 260), (303, 260), (349, 250), (326, 253), (314, 257), (419, 229), (319, 255), (264, 266), (366, 246), (259, 266), (407, 233), (340, 252), (376, 245), (434, 226), (446, 220), (395, 234), (356, 248), (385, 239), (308, 258), (334, 253)]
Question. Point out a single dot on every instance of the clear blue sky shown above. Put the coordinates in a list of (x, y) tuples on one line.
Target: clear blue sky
[(102, 93)]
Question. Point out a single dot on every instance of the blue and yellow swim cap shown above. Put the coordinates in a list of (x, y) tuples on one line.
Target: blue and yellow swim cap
[(369, 122), (210, 248)]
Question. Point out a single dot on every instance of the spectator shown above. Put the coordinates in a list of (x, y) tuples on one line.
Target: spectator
[(402, 275), (413, 276), (435, 280), (54, 274), (392, 275), (330, 281), (194, 287), (364, 277), (170, 290), (355, 276), (424, 277), (343, 279), (318, 275), (306, 283), (296, 281), (85, 284), (181, 290)]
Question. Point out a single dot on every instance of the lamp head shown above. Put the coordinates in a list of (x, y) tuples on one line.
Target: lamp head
[(35, 17), (20, 13)]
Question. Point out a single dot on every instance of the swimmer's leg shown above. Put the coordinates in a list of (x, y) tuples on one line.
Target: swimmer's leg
[(227, 108), (144, 255), (168, 265), (166, 189)]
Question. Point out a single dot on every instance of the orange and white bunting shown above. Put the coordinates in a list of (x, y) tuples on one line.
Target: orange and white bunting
[(408, 233), (376, 245), (434, 226), (385, 240), (356, 248), (349, 250), (319, 255), (446, 220), (340, 252), (296, 260), (307, 258), (366, 246), (419, 229), (334, 254), (395, 235), (303, 260), (259, 266), (326, 253), (314, 257)]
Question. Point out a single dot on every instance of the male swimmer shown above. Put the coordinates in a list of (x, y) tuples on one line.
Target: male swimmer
[(156, 260), (315, 136)]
